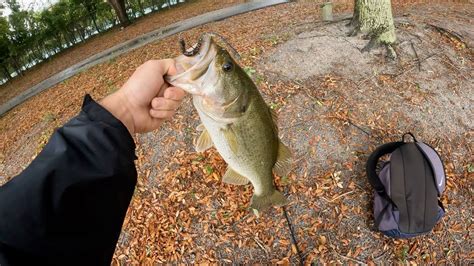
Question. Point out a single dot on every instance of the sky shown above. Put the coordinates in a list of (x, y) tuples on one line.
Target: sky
[(30, 4)]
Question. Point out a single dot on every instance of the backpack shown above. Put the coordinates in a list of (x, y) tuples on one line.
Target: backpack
[(407, 188)]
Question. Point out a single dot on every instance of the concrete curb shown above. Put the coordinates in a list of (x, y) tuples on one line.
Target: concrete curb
[(136, 43)]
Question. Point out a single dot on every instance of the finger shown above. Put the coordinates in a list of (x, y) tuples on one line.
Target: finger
[(166, 67), (172, 69), (155, 123), (164, 104), (161, 114), (162, 90), (174, 93)]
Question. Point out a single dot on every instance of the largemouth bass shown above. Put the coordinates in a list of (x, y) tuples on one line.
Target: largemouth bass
[(235, 119)]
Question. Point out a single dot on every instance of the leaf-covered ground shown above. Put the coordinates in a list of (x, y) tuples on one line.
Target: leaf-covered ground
[(334, 104)]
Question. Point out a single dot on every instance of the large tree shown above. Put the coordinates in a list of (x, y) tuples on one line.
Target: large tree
[(119, 7), (374, 18)]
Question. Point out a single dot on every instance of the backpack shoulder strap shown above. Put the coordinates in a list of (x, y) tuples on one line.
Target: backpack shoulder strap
[(374, 179)]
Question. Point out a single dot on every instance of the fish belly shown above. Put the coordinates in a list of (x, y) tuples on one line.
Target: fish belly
[(254, 157)]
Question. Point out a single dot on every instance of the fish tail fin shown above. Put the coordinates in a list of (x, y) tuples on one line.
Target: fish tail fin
[(263, 202)]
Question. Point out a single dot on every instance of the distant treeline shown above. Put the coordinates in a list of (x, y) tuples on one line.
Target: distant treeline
[(28, 37)]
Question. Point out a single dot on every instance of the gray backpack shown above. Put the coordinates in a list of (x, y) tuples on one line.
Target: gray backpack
[(407, 188)]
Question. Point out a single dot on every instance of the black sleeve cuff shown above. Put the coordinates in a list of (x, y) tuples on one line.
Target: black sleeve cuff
[(97, 113)]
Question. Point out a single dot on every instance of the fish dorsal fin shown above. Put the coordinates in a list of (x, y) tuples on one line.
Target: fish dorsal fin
[(229, 135), (204, 141), (283, 164), (234, 178)]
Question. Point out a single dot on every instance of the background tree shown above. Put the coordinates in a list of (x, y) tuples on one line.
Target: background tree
[(28, 37), (137, 7), (106, 17), (90, 8), (51, 24), (374, 18), (119, 7), (4, 48), (18, 35)]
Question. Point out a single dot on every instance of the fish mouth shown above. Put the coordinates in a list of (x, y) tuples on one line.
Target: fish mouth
[(193, 64)]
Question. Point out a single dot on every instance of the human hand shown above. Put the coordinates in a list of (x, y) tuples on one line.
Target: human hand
[(145, 101)]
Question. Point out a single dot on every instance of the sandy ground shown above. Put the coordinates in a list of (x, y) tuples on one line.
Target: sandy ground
[(335, 105)]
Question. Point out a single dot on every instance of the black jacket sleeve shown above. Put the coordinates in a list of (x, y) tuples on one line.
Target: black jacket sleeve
[(68, 206)]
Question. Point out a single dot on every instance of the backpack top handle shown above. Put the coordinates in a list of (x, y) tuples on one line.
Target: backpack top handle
[(371, 166), (408, 133)]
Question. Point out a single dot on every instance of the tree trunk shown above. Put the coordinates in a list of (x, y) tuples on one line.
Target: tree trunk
[(133, 13), (119, 7), (71, 38), (154, 5), (95, 24), (6, 72), (374, 18), (140, 6), (67, 41), (37, 53), (92, 13), (17, 67), (60, 42), (81, 34)]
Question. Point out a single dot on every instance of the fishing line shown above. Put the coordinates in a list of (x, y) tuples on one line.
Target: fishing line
[(292, 234)]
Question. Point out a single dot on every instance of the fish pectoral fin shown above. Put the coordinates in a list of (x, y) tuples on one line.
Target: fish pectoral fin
[(261, 203), (283, 164), (234, 178), (200, 127), (274, 116), (231, 139), (204, 141)]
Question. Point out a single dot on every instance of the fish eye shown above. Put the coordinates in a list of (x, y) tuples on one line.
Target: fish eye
[(228, 66)]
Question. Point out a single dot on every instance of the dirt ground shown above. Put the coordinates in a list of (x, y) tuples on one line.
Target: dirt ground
[(335, 105)]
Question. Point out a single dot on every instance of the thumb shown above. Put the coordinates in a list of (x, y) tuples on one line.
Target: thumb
[(168, 67)]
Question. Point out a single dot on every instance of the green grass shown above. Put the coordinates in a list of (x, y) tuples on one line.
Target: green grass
[(209, 170), (403, 256), (250, 71), (470, 168), (49, 117), (274, 106)]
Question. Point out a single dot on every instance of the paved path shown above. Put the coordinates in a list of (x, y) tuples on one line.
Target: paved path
[(135, 43)]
